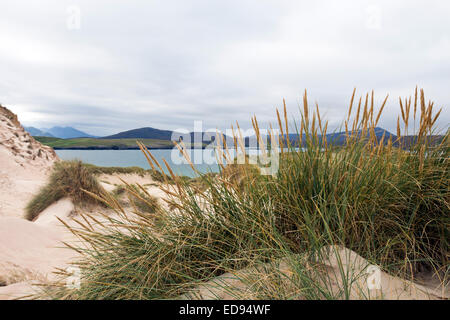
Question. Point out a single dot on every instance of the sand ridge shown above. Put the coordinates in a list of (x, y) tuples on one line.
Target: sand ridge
[(24, 164)]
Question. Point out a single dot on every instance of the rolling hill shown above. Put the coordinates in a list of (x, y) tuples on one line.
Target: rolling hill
[(142, 133), (152, 133), (102, 144)]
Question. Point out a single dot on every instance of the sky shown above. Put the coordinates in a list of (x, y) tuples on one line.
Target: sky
[(106, 66)]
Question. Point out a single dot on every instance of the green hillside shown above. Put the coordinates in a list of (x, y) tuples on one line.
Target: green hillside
[(92, 143)]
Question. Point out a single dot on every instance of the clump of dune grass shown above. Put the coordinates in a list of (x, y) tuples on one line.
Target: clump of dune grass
[(141, 199), (155, 174), (385, 198), (136, 196), (112, 170), (241, 175), (68, 179), (158, 176), (119, 190)]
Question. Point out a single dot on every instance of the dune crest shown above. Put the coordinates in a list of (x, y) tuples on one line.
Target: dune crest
[(25, 150), (24, 164)]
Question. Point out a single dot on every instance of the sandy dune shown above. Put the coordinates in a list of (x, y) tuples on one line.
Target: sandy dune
[(27, 248), (28, 251)]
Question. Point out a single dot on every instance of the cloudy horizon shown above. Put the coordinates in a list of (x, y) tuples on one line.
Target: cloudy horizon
[(109, 66)]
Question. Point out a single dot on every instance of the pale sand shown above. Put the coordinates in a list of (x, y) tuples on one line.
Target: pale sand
[(29, 251), (17, 180), (19, 290), (62, 209)]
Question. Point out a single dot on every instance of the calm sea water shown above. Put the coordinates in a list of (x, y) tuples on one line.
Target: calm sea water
[(204, 159)]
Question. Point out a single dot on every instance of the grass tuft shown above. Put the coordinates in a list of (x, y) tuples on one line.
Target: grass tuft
[(142, 200), (68, 179)]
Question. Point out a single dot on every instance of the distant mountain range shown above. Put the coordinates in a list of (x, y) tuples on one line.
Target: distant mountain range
[(336, 138), (58, 132), (148, 133), (35, 132), (158, 134), (339, 138)]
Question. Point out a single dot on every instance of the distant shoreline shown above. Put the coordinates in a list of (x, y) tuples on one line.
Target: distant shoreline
[(120, 148), (109, 148)]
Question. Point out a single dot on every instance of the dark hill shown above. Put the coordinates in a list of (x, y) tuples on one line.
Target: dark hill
[(142, 133), (152, 133)]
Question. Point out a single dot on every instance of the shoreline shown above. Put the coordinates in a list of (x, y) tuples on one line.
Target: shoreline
[(110, 148), (121, 148)]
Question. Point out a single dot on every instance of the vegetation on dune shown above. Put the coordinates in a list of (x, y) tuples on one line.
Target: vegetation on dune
[(155, 174), (388, 204), (68, 179), (119, 190), (141, 200), (115, 170), (241, 175), (136, 196)]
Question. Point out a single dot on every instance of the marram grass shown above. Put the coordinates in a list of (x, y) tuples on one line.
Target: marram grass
[(385, 198), (68, 179)]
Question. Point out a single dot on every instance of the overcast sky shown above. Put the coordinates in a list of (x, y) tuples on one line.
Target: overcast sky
[(120, 65)]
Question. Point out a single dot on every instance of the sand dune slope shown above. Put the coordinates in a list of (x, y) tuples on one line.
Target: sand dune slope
[(29, 251), (24, 165)]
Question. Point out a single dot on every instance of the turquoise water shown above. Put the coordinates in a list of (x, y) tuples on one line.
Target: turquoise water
[(204, 159)]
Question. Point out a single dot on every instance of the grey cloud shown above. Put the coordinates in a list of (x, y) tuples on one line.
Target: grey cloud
[(167, 63)]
